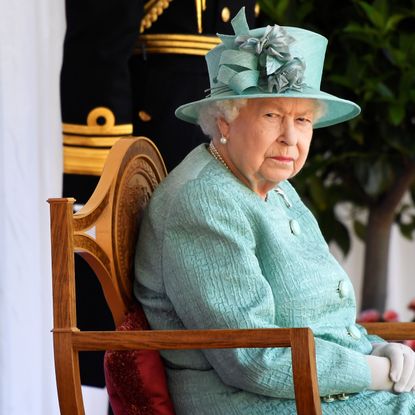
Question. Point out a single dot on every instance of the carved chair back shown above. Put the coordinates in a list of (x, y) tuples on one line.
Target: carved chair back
[(104, 233)]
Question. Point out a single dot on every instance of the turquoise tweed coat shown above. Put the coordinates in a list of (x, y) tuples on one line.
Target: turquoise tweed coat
[(213, 254)]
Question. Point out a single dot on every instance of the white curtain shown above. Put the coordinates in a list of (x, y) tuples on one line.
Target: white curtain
[(401, 278), (401, 275), (31, 36)]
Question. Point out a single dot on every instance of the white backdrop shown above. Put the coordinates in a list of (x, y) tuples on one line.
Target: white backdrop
[(401, 275), (31, 36)]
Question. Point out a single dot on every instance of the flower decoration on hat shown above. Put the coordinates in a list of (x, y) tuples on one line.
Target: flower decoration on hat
[(264, 61), (269, 62)]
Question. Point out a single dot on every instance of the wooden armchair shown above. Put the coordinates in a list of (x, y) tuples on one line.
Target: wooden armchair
[(104, 232)]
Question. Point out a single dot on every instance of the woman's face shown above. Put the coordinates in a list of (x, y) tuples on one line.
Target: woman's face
[(269, 140)]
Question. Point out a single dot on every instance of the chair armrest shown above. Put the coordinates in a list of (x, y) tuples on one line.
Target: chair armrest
[(392, 331), (181, 339), (300, 340)]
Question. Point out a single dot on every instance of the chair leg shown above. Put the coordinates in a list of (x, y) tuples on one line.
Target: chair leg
[(67, 375)]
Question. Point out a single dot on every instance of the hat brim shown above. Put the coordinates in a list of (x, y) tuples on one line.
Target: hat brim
[(337, 110)]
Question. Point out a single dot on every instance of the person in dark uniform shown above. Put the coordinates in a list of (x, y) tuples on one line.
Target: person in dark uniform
[(169, 48), (96, 110), (122, 74)]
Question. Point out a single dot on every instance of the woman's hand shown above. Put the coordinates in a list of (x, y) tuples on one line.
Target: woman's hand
[(402, 364), (379, 373)]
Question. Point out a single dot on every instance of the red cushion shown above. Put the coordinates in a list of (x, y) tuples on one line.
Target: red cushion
[(136, 380)]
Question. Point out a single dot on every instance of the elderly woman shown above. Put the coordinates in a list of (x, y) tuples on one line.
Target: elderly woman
[(227, 243)]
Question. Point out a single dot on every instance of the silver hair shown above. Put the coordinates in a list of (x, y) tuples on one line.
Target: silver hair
[(320, 110), (210, 113), (229, 110)]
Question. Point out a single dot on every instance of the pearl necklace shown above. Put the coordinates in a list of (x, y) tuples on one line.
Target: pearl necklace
[(216, 155)]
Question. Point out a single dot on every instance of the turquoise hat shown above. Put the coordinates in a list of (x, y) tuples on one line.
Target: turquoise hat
[(269, 62)]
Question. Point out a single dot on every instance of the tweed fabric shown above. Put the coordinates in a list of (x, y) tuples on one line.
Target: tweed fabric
[(212, 254)]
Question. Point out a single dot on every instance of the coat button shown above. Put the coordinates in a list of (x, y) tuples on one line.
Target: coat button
[(295, 227), (329, 398), (343, 289), (343, 397), (354, 332)]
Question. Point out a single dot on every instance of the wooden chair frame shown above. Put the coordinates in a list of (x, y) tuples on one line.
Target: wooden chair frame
[(104, 233)]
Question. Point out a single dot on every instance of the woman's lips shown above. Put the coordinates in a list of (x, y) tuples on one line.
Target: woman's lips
[(283, 159)]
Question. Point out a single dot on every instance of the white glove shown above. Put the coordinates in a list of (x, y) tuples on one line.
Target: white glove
[(402, 364), (379, 369)]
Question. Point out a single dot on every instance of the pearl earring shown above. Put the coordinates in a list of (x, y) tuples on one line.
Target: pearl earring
[(223, 140)]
